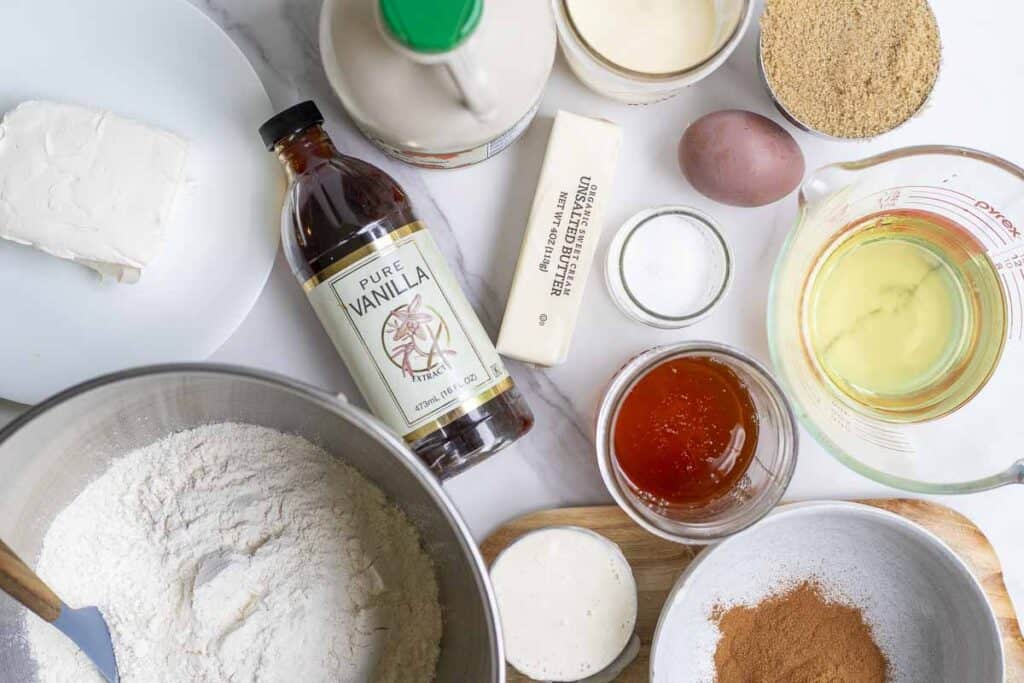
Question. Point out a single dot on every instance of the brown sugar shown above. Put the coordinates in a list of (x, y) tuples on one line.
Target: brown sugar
[(853, 68), (799, 636)]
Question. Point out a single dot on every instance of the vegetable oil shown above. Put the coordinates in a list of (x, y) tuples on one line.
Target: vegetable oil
[(904, 315)]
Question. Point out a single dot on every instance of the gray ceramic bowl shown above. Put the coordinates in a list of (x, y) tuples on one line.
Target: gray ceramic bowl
[(49, 454), (925, 606)]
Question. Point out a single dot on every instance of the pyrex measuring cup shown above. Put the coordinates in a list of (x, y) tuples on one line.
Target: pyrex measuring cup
[(975, 444)]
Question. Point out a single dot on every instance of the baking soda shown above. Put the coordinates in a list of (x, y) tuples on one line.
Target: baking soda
[(671, 266)]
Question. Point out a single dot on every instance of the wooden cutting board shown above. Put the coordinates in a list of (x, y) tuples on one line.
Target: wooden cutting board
[(657, 564)]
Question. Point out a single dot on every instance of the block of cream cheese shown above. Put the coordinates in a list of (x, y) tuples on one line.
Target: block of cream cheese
[(561, 236), (87, 185)]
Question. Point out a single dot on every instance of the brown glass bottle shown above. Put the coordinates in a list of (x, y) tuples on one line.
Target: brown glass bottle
[(412, 342)]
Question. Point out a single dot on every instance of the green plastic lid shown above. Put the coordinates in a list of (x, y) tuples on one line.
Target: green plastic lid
[(431, 25)]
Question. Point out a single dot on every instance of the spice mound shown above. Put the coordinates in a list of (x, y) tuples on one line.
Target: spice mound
[(851, 69), (798, 636)]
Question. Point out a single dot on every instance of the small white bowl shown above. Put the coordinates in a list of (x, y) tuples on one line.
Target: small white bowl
[(927, 610), (630, 645), (632, 87)]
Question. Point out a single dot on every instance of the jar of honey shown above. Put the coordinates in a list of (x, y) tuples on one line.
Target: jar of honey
[(695, 441)]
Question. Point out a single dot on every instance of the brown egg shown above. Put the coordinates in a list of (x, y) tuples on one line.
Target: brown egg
[(740, 158)]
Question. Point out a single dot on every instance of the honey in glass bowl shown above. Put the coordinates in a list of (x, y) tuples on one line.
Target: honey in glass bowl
[(686, 432)]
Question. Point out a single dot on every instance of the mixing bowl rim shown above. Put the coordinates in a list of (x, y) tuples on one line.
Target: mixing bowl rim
[(334, 403), (845, 508), (898, 153)]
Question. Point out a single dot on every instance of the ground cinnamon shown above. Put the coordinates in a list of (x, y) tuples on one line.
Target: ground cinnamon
[(800, 636)]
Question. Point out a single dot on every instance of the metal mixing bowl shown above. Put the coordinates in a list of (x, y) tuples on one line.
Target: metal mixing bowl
[(49, 454)]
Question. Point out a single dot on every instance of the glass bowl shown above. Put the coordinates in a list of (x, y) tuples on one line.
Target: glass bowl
[(760, 488), (715, 254)]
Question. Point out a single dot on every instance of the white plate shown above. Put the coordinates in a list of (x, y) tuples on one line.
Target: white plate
[(164, 63), (923, 603)]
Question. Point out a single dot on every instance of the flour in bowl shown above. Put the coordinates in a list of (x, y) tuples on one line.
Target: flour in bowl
[(236, 553)]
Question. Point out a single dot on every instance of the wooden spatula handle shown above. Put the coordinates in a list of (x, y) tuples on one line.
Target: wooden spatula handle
[(22, 584)]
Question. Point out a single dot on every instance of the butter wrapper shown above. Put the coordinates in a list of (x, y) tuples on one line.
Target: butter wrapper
[(561, 237)]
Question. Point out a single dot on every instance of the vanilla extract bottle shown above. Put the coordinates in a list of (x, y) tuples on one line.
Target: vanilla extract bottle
[(386, 297)]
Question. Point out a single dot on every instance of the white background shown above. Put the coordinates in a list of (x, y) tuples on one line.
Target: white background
[(479, 213)]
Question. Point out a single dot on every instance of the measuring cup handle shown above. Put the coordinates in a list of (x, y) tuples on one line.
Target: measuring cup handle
[(826, 188), (472, 82)]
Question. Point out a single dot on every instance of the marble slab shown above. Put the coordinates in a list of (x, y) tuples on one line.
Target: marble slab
[(478, 215)]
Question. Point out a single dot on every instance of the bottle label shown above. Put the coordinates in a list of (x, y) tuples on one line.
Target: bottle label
[(412, 342)]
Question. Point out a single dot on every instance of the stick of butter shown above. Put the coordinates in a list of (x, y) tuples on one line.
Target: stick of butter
[(561, 237)]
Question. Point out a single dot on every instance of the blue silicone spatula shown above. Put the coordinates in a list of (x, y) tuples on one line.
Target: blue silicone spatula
[(85, 626)]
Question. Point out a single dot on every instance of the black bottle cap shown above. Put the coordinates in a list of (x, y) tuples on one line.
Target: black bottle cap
[(292, 120)]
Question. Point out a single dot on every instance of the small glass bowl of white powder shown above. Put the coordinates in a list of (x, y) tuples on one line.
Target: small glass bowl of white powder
[(668, 267)]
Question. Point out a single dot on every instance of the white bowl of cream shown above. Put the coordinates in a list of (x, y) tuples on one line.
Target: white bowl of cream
[(567, 601), (645, 52)]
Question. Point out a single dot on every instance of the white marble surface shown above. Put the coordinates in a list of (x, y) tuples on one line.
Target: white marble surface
[(478, 214)]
